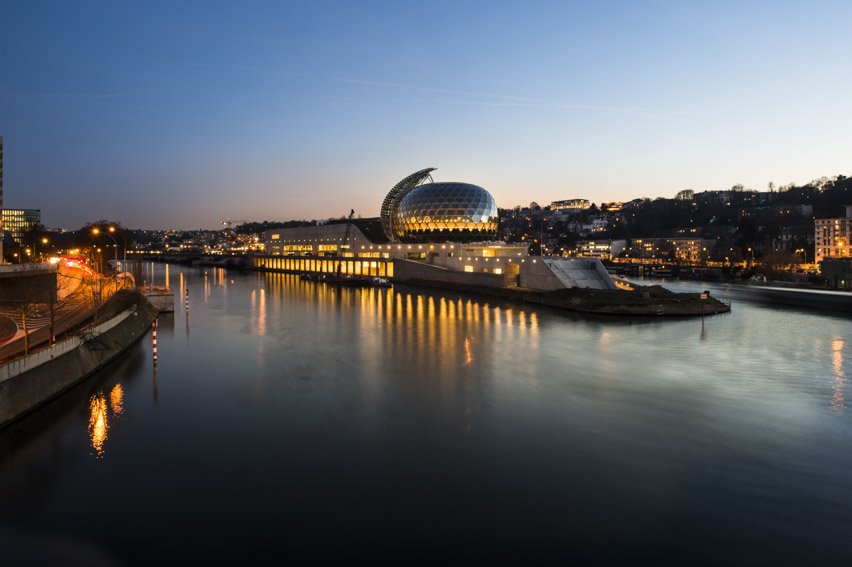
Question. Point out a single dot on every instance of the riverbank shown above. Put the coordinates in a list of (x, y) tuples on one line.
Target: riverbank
[(647, 301), (33, 380), (644, 301)]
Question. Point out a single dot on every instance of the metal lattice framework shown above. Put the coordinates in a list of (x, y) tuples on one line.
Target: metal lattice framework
[(449, 211), (395, 195)]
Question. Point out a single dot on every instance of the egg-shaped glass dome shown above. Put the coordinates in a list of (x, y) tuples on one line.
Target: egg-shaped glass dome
[(441, 212)]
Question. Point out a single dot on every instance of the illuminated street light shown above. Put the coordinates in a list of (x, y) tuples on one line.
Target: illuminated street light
[(124, 249), (97, 231)]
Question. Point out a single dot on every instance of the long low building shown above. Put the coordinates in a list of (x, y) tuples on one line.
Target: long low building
[(443, 232)]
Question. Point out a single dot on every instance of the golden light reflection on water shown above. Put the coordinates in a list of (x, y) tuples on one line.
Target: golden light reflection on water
[(261, 316), (98, 422), (838, 401), (116, 400), (435, 332)]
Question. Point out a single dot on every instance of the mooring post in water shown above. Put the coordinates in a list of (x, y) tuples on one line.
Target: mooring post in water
[(154, 340)]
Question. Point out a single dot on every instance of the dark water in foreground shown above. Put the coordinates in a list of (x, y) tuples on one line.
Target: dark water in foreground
[(294, 420)]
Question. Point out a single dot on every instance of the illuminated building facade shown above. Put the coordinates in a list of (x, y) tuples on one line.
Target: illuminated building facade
[(689, 250), (440, 232), (603, 249), (446, 212), (612, 206), (833, 237), (18, 221), (417, 211), (570, 205)]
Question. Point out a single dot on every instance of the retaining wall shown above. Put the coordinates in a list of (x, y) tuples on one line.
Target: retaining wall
[(31, 381), (404, 270)]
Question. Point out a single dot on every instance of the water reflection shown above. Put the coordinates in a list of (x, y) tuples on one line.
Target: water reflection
[(436, 332), (838, 401), (375, 391), (258, 311), (99, 418), (98, 422), (116, 400), (154, 386)]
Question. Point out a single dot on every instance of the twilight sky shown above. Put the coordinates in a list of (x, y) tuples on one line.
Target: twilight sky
[(181, 114)]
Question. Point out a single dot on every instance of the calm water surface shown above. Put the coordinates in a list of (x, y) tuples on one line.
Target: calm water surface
[(292, 419)]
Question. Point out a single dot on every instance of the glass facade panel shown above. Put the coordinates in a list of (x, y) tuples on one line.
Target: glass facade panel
[(438, 212)]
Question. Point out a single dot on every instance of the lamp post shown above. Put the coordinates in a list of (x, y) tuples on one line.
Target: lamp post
[(97, 231), (35, 248), (123, 250)]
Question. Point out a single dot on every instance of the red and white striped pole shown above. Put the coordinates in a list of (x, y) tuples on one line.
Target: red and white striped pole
[(154, 340)]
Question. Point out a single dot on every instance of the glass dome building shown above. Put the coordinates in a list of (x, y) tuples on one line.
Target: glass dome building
[(442, 212)]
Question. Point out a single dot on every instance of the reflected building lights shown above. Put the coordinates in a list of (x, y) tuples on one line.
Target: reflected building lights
[(261, 316), (838, 401), (98, 423), (437, 333), (116, 400)]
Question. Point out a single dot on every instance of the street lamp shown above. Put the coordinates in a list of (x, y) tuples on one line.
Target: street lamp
[(123, 250), (35, 248), (97, 231)]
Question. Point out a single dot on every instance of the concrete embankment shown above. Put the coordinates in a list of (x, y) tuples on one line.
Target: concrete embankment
[(653, 301), (33, 380), (647, 301), (828, 300)]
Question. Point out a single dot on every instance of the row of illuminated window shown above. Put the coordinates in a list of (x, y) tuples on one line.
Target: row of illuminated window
[(287, 251), (414, 224), (470, 268), (356, 267)]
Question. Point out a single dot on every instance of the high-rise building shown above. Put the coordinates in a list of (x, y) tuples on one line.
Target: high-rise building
[(18, 221), (1, 173), (2, 258), (832, 237)]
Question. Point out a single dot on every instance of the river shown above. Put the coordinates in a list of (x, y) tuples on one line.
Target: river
[(296, 420)]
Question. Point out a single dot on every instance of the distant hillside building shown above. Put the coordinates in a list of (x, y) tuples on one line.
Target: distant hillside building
[(690, 250), (18, 221), (602, 249), (832, 237), (570, 205)]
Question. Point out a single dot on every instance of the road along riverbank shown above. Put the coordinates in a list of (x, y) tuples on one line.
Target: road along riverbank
[(31, 381)]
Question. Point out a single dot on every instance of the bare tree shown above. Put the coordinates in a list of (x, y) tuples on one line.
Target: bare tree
[(27, 292)]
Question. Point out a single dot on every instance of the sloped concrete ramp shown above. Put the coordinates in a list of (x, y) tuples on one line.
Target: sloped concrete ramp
[(580, 272)]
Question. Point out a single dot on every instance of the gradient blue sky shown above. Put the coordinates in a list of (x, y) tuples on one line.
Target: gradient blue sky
[(183, 113)]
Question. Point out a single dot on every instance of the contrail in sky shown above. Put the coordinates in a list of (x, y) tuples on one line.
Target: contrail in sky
[(509, 100)]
